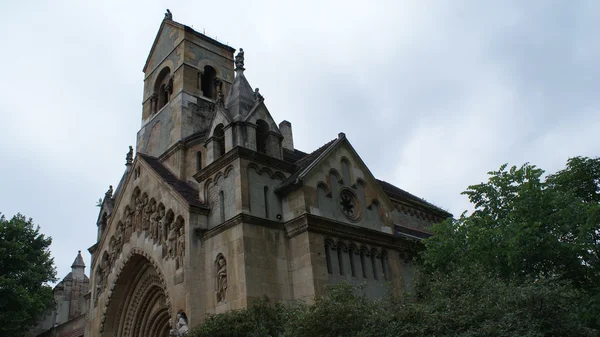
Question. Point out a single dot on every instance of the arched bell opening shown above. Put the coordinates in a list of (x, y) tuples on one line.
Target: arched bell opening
[(139, 305)]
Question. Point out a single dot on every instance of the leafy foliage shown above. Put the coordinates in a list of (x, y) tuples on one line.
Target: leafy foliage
[(25, 269), (526, 228)]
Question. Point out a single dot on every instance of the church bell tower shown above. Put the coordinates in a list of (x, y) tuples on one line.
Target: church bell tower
[(185, 74)]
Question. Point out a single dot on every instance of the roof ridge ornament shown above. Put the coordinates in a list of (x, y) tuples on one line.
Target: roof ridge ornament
[(239, 60), (168, 15), (109, 193), (129, 157), (257, 96)]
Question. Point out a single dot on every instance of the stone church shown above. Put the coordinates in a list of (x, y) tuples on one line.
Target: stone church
[(217, 207)]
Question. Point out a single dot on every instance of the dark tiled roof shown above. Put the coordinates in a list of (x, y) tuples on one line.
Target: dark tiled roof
[(184, 189), (399, 194), (303, 163), (293, 156), (410, 232)]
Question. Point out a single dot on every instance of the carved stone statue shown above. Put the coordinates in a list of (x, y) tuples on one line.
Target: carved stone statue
[(108, 193), (221, 279), (172, 242), (168, 15), (181, 327), (257, 96), (128, 224), (149, 209), (120, 239), (162, 227), (239, 60), (113, 250), (220, 98), (137, 220), (129, 157), (180, 247), (154, 221)]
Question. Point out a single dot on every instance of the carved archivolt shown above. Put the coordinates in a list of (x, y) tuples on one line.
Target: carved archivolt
[(150, 289), (143, 216)]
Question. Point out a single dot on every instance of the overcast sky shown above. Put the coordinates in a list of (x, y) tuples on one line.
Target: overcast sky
[(432, 94)]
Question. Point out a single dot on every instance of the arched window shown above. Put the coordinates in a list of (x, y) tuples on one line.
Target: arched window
[(222, 205), (328, 256), (207, 82), (219, 144), (163, 88), (363, 263), (384, 266), (266, 195), (262, 132), (346, 172), (198, 161), (352, 265), (340, 259), (374, 264)]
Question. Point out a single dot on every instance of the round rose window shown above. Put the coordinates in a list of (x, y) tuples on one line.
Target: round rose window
[(349, 204)]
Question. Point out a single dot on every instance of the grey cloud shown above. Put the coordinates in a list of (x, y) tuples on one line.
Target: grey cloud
[(432, 94)]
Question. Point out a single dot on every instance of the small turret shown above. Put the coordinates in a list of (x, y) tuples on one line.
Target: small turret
[(78, 267)]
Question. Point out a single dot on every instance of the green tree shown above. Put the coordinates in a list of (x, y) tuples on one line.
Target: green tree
[(527, 228), (25, 269)]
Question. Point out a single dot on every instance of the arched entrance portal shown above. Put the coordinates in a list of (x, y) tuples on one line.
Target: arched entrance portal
[(139, 305)]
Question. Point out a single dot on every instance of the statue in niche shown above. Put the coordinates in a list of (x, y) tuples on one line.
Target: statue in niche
[(172, 242), (180, 247), (119, 241), (164, 229), (154, 220), (149, 208), (181, 327), (161, 224), (113, 250), (128, 220), (137, 219), (221, 278)]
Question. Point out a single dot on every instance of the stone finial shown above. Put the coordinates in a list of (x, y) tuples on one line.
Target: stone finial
[(258, 96), (341, 135), (168, 15), (108, 193), (239, 60), (220, 98), (129, 157)]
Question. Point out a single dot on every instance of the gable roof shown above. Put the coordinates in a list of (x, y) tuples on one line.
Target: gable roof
[(397, 193), (303, 161), (185, 190), (186, 29)]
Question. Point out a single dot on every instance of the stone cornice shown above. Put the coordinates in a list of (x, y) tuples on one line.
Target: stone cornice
[(241, 218), (317, 224), (241, 152)]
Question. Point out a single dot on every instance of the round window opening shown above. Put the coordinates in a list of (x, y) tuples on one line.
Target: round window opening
[(349, 204)]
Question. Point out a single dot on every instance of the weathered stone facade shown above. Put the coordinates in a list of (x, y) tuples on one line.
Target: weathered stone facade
[(217, 208), (67, 317)]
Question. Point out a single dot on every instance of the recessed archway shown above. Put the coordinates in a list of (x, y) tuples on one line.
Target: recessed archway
[(139, 305)]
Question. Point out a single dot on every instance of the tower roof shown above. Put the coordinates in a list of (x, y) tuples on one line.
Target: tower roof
[(78, 261), (241, 96)]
